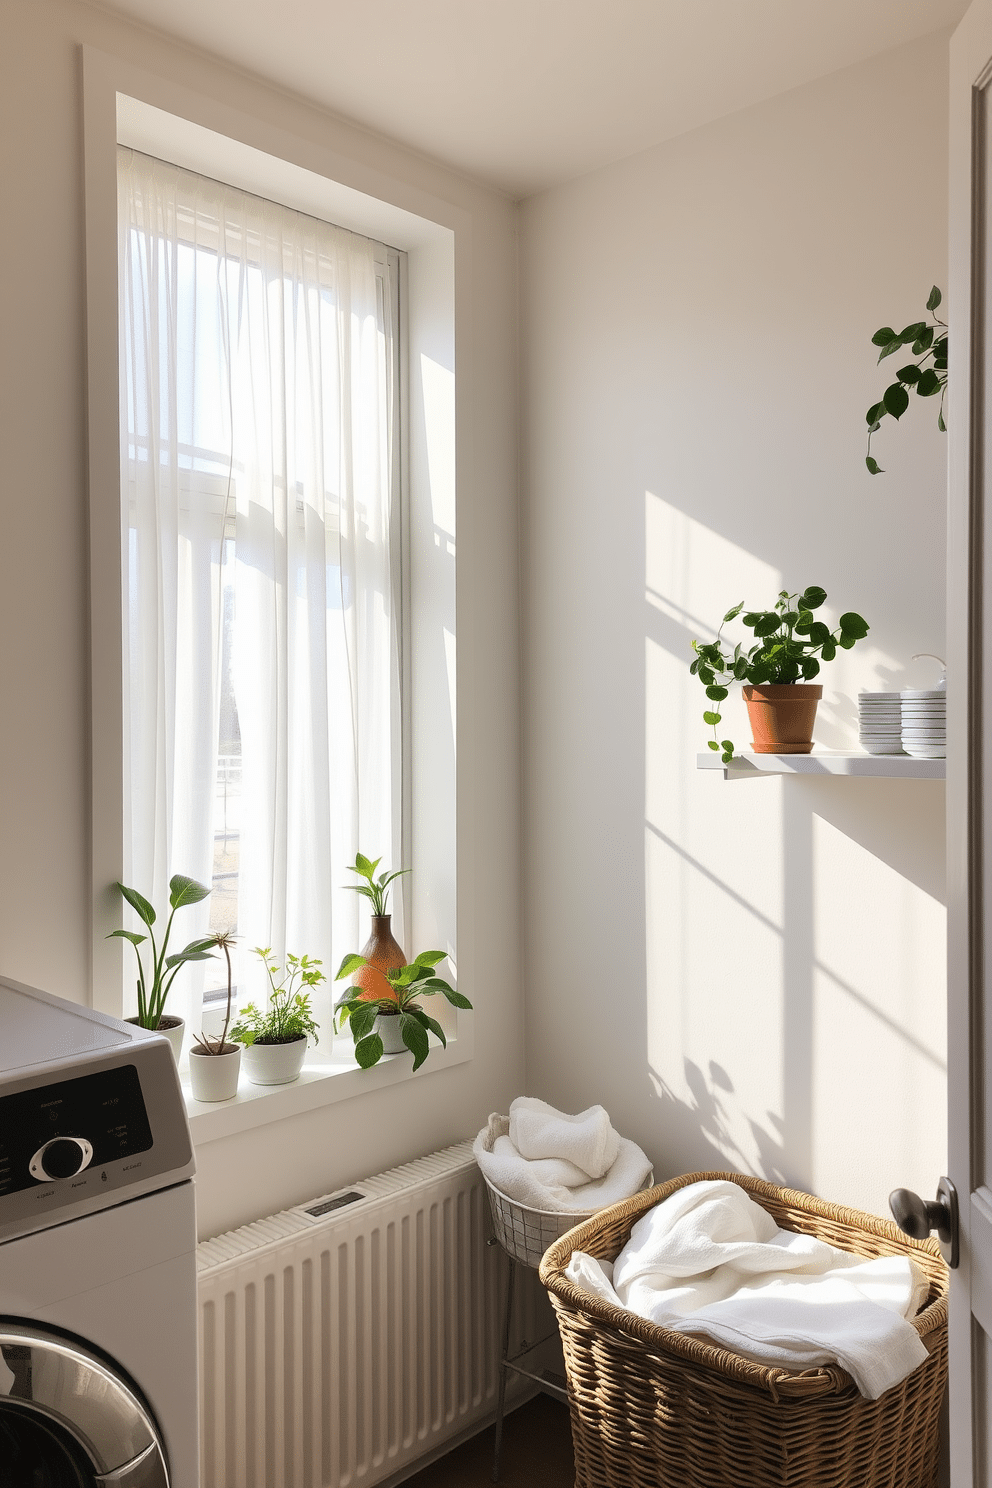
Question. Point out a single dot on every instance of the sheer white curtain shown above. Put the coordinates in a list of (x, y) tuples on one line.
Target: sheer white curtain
[(257, 420)]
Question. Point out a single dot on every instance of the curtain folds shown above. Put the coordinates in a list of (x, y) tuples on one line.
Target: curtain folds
[(261, 607)]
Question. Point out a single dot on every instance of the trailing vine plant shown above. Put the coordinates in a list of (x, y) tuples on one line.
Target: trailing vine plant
[(787, 639), (927, 342)]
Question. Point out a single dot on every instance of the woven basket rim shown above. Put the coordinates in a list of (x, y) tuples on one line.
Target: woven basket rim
[(597, 1314)]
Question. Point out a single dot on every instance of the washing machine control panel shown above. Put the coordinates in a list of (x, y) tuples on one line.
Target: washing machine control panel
[(55, 1133)]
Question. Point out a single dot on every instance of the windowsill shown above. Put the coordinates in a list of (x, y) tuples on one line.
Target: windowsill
[(326, 1079)]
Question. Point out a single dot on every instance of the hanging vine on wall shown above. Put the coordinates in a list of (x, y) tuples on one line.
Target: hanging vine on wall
[(926, 341)]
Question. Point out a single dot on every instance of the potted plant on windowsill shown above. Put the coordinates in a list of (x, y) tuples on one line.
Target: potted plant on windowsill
[(777, 670), (215, 1063), (394, 1022), (155, 981), (275, 1040), (381, 951)]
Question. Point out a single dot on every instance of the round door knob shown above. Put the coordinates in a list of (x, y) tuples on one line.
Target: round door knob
[(62, 1157), (920, 1217)]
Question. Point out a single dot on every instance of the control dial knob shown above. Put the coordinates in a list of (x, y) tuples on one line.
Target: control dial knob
[(62, 1157)]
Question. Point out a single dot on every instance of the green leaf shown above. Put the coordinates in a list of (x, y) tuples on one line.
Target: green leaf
[(368, 1051), (694, 667), (924, 342), (940, 364), (819, 633), (852, 624), (790, 617), (131, 935), (717, 694), (928, 384), (883, 336), (888, 350), (706, 675), (182, 956), (896, 400), (727, 745), (139, 904), (362, 1019), (828, 650), (740, 668), (751, 618), (183, 891), (712, 719), (934, 299), (430, 958), (873, 466), (810, 667), (803, 624), (847, 641), (940, 422), (430, 1023), (875, 412), (414, 1035), (455, 998), (912, 332), (348, 965), (363, 866), (909, 374), (732, 614), (712, 744), (767, 624)]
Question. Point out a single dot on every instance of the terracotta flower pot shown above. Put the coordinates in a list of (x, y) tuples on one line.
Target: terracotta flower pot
[(782, 716), (382, 953)]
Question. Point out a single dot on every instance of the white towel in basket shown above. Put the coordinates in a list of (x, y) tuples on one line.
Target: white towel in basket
[(555, 1184), (588, 1140), (710, 1261)]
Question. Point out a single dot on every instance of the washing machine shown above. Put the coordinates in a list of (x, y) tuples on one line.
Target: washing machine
[(97, 1253)]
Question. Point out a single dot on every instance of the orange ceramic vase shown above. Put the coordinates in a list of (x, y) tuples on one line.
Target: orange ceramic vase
[(782, 716), (382, 953)]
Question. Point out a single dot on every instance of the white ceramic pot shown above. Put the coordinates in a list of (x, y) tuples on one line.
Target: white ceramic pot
[(387, 1026), (171, 1028), (275, 1064), (214, 1077)]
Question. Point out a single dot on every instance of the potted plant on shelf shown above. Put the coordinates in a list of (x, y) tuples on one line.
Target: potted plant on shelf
[(777, 670), (215, 1063), (394, 1022), (155, 981), (927, 342), (381, 951), (275, 1040)]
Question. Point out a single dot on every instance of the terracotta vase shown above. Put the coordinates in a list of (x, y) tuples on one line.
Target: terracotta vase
[(782, 716), (382, 953)]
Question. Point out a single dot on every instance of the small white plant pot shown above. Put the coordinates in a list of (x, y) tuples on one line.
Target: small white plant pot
[(387, 1026), (171, 1028), (275, 1064), (214, 1077)]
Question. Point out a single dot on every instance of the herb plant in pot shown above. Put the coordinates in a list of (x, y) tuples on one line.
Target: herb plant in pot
[(396, 1021), (777, 670), (215, 1063), (275, 1040), (155, 979)]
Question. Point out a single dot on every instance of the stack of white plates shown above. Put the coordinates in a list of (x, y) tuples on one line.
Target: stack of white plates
[(880, 722), (924, 722)]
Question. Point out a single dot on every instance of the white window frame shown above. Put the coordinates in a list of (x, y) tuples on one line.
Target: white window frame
[(435, 236)]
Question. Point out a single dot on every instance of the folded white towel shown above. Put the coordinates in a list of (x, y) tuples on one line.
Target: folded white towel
[(588, 1140), (554, 1183), (710, 1261)]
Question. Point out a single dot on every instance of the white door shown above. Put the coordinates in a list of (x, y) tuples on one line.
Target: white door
[(969, 765)]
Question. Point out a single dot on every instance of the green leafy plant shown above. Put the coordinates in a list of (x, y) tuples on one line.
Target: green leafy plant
[(288, 1015), (787, 640), (206, 1043), (928, 343), (373, 888), (406, 983), (155, 980)]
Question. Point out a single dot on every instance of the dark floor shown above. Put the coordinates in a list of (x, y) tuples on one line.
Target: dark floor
[(537, 1453)]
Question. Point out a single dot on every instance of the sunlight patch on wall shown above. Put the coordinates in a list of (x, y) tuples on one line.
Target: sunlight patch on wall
[(439, 420), (879, 1038)]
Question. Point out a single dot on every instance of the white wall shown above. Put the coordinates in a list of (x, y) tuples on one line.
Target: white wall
[(746, 974), (45, 891)]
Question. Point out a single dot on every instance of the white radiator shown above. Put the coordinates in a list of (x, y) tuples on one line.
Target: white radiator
[(345, 1339)]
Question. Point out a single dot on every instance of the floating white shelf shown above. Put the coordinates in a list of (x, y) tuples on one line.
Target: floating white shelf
[(824, 762)]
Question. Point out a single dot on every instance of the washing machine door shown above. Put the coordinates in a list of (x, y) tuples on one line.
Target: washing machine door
[(67, 1420)]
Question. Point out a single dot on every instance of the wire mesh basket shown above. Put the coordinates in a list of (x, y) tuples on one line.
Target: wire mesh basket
[(525, 1233)]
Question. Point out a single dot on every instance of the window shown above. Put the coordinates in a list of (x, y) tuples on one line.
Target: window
[(259, 375)]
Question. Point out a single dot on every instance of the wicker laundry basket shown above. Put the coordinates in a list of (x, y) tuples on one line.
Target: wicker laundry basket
[(656, 1409), (524, 1233)]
